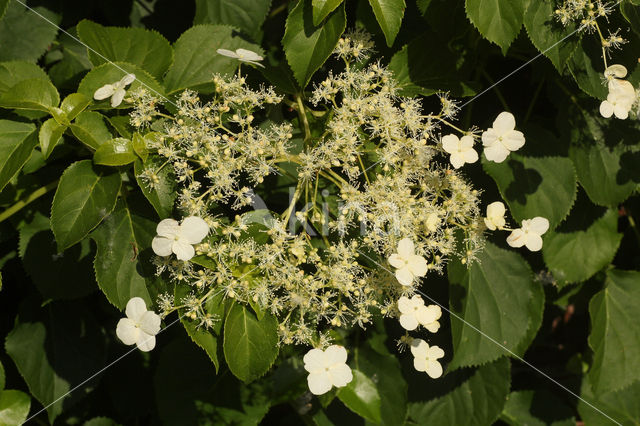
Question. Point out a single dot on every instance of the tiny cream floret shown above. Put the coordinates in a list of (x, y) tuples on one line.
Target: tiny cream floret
[(179, 238), (140, 326), (495, 216), (115, 91), (529, 234), (243, 55), (408, 264), (502, 138), (461, 150), (425, 358), (326, 369)]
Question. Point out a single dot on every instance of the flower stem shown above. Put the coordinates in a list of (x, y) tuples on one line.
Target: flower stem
[(29, 199)]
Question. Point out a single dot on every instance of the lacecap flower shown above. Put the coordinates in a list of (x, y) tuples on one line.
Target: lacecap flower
[(413, 312), (179, 238), (115, 91), (326, 369), (425, 358), (461, 150), (243, 55), (408, 264), (140, 326), (529, 234), (502, 138), (495, 216)]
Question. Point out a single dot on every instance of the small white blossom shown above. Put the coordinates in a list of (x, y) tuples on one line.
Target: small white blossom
[(615, 71), (414, 312), (115, 91), (426, 358), (408, 264), (495, 216), (461, 150), (619, 101), (140, 326), (179, 238), (326, 369), (502, 138), (243, 55), (529, 234)]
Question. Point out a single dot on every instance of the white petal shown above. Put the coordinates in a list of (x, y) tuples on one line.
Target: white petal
[(539, 225), (225, 52), (341, 375), (616, 70), (104, 92), (335, 354), (470, 156), (248, 55), (435, 352), (183, 250), (513, 140), (404, 276), (450, 143), (404, 304), (534, 242), (433, 369), (117, 97), (146, 342), (319, 383), (136, 308), (419, 348), (516, 238), (396, 261), (489, 137), (418, 265), (466, 143), (405, 248), (149, 322), (429, 314), (194, 229), (606, 109), (504, 122), (490, 224), (497, 153), (496, 209), (621, 112), (162, 245), (168, 228), (127, 80), (456, 160), (314, 361), (432, 326), (127, 331), (420, 364), (408, 322)]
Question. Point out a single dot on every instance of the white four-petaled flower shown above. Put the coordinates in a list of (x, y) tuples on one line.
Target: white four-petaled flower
[(114, 90), (502, 138), (408, 264), (495, 216), (326, 369), (461, 150), (529, 234), (243, 55), (413, 312), (179, 238), (426, 358), (619, 101), (140, 326)]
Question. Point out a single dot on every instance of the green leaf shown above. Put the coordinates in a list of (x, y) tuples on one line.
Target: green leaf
[(250, 346), (122, 264), (604, 173), (2, 377), (24, 35), (49, 135), (89, 127), (536, 408), (532, 187), (306, 46), (615, 332), (14, 407), (35, 93), (196, 59), (576, 256), (17, 141), (362, 397), (84, 197), (74, 104), (246, 15), (621, 406), (499, 21), (631, 13), (110, 73), (207, 339), (477, 401), (498, 296), (161, 194), (12, 73), (100, 421), (4, 4), (426, 66), (389, 14), (548, 35), (145, 48), (115, 152), (67, 72), (56, 348), (140, 146), (322, 9), (587, 68)]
